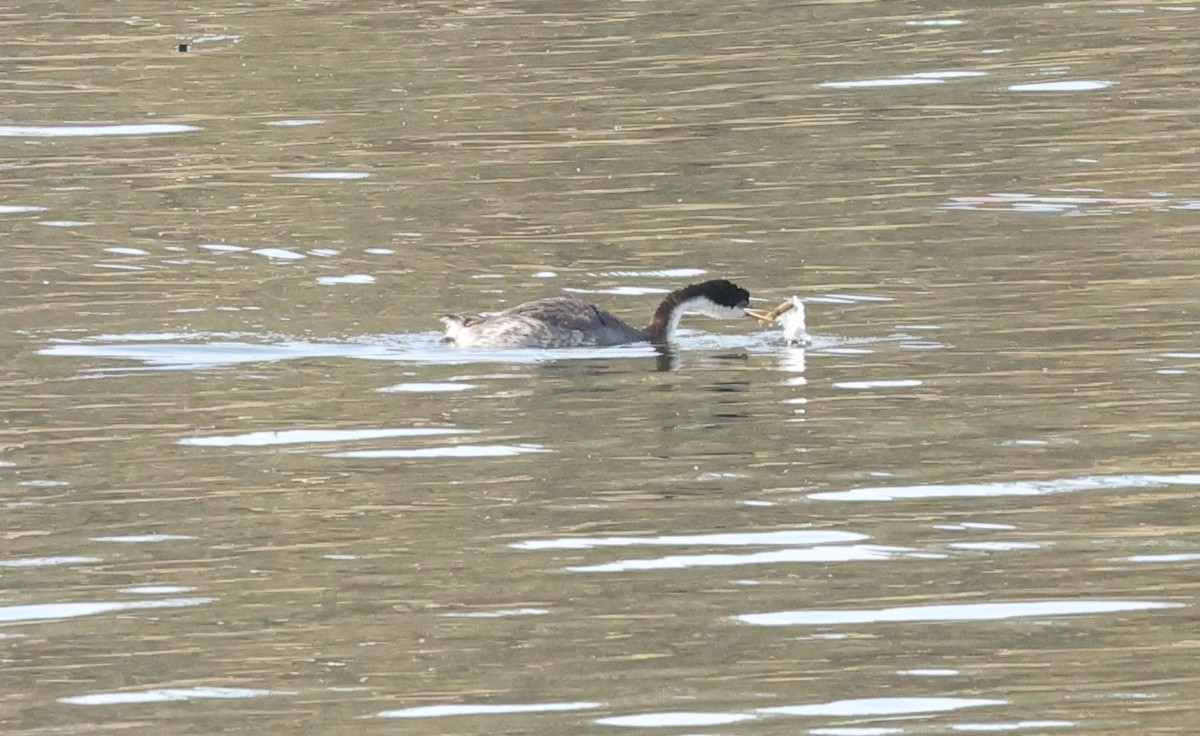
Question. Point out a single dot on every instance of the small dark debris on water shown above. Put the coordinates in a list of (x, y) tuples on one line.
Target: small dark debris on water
[(183, 48)]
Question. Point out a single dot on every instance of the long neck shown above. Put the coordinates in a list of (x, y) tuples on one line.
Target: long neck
[(666, 317)]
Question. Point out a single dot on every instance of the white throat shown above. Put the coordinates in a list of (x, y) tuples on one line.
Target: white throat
[(701, 305)]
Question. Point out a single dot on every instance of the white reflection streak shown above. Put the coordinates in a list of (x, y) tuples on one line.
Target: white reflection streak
[(48, 561), (851, 553), (1010, 488), (499, 613), (165, 695), (789, 537), (1013, 726), (853, 708), (143, 538), (467, 709), (461, 451), (53, 611), (904, 80), (70, 131), (305, 436), (1064, 85), (881, 707), (950, 612), (676, 719)]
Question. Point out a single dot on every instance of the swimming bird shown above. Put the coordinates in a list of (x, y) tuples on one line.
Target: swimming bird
[(565, 321)]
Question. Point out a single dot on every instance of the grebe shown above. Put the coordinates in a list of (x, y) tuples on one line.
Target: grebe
[(564, 321)]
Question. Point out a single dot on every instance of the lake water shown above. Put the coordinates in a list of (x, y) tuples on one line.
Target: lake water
[(245, 488)]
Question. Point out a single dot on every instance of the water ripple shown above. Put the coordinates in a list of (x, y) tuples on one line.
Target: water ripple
[(48, 561), (165, 695), (851, 708), (72, 131), (788, 537), (306, 436), (839, 553), (55, 611), (950, 612), (459, 451), (1064, 85), (469, 709), (1008, 488)]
